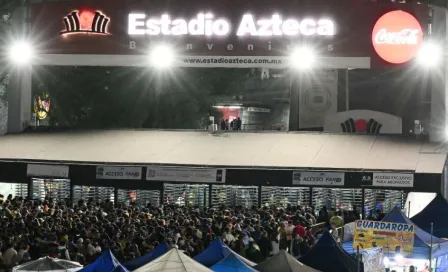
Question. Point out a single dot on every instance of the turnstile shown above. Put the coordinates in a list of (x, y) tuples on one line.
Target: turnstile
[(56, 189), (232, 196), (96, 194), (194, 195), (139, 197), (284, 196)]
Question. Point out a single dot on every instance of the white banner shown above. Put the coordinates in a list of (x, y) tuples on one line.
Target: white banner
[(318, 178), (50, 171), (199, 61), (118, 172), (204, 175), (393, 180), (318, 94)]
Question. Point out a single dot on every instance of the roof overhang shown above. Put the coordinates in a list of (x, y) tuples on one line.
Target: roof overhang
[(273, 150)]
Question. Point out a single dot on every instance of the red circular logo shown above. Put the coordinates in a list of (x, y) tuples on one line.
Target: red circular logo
[(397, 36), (360, 125)]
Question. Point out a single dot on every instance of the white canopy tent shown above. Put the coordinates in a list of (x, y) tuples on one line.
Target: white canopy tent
[(173, 261), (48, 264)]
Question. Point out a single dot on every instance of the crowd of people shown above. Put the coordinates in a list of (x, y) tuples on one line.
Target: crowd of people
[(82, 231)]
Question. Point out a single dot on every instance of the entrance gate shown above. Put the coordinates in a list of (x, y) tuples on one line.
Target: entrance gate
[(139, 197), (284, 196), (97, 194), (231, 196), (195, 195), (56, 189)]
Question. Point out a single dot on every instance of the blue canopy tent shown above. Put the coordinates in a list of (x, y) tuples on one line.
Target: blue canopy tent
[(232, 264), (422, 239), (154, 254), (431, 213), (328, 256), (105, 263), (215, 252)]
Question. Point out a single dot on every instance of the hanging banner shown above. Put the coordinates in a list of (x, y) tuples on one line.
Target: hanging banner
[(317, 98), (392, 237), (318, 178), (118, 172), (201, 175), (393, 180), (50, 171)]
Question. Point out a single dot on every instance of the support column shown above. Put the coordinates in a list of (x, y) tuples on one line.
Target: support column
[(438, 81), (210, 196), (363, 201), (30, 188), (72, 193), (162, 192), (19, 89), (311, 197), (115, 195), (293, 102), (259, 196)]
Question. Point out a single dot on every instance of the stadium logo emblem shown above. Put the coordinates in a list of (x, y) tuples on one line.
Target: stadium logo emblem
[(86, 22), (361, 126)]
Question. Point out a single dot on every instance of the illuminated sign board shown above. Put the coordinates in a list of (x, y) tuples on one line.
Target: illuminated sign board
[(397, 37), (208, 25)]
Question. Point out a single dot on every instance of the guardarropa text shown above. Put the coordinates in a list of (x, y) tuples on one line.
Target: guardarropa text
[(384, 226), (205, 24)]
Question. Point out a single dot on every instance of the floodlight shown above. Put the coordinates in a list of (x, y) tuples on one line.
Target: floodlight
[(429, 54), (162, 56), (303, 57), (21, 52)]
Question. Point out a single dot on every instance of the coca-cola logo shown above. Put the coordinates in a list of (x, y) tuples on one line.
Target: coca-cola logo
[(397, 36)]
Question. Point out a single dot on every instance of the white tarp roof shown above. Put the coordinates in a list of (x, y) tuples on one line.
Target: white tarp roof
[(240, 149), (48, 264), (173, 261)]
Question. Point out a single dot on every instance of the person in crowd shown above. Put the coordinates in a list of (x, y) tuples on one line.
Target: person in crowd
[(10, 256), (22, 255), (253, 251), (334, 232), (337, 220), (239, 123), (63, 251), (223, 124)]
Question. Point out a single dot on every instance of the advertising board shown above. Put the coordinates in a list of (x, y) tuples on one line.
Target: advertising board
[(392, 237)]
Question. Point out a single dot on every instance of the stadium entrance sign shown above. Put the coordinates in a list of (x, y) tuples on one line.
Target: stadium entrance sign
[(227, 34), (206, 25)]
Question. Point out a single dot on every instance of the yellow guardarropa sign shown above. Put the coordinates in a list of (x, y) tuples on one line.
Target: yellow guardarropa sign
[(392, 237)]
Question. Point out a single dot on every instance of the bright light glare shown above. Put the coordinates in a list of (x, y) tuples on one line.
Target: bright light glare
[(162, 56), (21, 53), (303, 58), (386, 262), (399, 257), (429, 54)]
